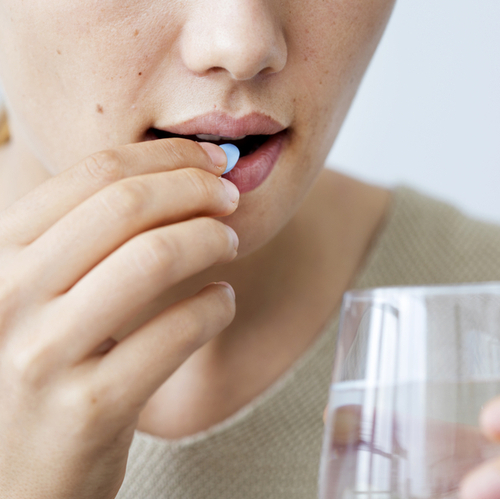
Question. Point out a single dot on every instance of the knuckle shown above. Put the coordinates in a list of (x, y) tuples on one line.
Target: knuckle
[(212, 227), (84, 404), (201, 183), (104, 166), (179, 150), (27, 364), (208, 315), (155, 253), (217, 232), (125, 198)]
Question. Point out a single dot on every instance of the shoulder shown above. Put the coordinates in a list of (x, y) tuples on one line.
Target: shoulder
[(428, 241)]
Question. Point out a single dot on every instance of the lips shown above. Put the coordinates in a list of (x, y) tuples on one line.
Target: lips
[(259, 138), (219, 123), (252, 170)]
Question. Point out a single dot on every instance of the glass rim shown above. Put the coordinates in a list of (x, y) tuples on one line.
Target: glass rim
[(488, 287)]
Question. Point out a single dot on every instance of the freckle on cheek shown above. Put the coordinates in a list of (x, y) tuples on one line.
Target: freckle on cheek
[(140, 73), (99, 109), (58, 51), (136, 32)]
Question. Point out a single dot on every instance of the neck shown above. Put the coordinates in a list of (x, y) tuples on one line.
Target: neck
[(286, 293)]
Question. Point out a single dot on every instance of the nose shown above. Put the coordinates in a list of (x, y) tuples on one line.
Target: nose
[(242, 37)]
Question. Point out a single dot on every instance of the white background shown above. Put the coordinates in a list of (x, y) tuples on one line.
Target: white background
[(428, 111)]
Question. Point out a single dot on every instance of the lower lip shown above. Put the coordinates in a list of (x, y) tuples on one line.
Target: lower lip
[(252, 170)]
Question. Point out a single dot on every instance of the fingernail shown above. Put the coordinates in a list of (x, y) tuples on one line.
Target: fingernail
[(233, 155), (234, 236), (228, 286), (482, 483), (231, 189), (217, 154)]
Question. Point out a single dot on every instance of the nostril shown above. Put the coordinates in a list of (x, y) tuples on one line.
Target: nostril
[(241, 39)]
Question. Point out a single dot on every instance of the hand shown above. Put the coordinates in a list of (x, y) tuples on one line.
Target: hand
[(80, 256), (448, 451), (484, 481)]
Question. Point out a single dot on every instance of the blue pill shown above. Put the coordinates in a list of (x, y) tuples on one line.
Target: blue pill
[(233, 155)]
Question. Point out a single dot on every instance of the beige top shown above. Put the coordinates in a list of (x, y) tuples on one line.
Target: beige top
[(271, 447)]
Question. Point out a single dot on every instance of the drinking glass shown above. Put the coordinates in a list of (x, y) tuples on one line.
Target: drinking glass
[(413, 368)]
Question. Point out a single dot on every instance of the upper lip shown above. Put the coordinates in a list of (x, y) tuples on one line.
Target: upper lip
[(219, 123)]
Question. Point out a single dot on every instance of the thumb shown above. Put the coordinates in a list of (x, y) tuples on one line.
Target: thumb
[(484, 481)]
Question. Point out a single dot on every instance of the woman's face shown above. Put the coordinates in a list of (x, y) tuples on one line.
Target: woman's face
[(86, 75)]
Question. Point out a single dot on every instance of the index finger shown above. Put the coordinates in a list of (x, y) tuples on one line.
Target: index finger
[(24, 221)]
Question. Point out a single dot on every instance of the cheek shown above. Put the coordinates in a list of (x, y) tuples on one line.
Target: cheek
[(329, 49), (337, 31), (73, 69), (334, 43)]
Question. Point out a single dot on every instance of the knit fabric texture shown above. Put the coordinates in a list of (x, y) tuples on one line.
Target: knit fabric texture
[(271, 448)]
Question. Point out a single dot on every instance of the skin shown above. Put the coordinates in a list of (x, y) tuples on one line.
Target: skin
[(349, 435), (84, 80)]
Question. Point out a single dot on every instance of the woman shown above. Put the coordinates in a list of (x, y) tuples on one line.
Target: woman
[(119, 239)]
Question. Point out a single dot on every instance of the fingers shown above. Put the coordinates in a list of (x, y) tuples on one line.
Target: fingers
[(143, 361), (33, 214), (490, 420), (482, 482), (347, 425), (117, 289), (106, 220)]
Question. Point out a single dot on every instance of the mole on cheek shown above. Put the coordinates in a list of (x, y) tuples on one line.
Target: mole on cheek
[(99, 109)]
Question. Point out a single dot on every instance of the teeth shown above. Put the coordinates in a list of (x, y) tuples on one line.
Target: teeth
[(209, 137)]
